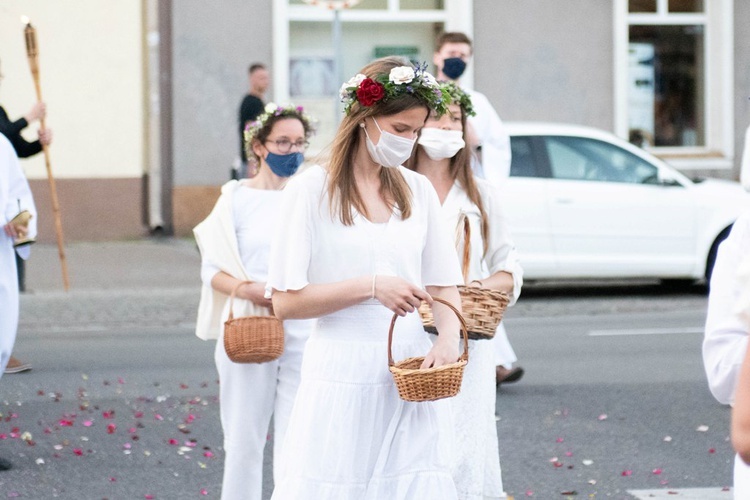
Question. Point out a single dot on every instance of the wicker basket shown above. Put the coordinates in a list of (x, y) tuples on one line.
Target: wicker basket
[(428, 384), (482, 308), (252, 339)]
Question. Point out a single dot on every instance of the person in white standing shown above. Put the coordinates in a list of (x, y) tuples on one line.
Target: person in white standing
[(235, 241), (442, 156), (14, 191), (486, 132), (726, 334), (358, 241)]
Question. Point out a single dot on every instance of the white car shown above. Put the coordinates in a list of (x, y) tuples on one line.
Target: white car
[(583, 203)]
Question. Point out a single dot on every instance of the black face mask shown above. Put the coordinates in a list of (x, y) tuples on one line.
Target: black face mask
[(453, 67)]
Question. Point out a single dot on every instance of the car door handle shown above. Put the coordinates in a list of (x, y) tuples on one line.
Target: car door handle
[(564, 201)]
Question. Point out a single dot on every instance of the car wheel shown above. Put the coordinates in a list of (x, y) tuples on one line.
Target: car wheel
[(711, 259)]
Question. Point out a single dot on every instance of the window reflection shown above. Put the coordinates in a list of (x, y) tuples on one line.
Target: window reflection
[(642, 6), (666, 85), (583, 159), (685, 5)]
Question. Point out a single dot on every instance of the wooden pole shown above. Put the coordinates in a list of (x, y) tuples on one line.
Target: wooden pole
[(33, 54)]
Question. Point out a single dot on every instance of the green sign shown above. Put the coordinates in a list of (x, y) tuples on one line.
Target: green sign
[(409, 51)]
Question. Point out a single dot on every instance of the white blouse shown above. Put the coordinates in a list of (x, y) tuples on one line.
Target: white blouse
[(313, 246), (501, 254), (255, 215)]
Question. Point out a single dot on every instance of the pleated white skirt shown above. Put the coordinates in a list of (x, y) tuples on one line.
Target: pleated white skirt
[(350, 436)]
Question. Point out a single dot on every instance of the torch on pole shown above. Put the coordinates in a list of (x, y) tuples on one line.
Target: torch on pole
[(32, 51)]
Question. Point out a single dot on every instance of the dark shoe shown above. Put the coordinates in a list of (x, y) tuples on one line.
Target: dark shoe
[(17, 366), (505, 376), (5, 464)]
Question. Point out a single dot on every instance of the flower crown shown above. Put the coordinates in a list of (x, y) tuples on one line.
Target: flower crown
[(272, 109), (456, 95), (401, 81)]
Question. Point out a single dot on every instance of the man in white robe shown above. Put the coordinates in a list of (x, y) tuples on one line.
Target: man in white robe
[(14, 190), (726, 336), (486, 132)]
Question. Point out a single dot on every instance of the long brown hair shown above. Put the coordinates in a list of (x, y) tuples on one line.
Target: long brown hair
[(342, 190), (460, 169)]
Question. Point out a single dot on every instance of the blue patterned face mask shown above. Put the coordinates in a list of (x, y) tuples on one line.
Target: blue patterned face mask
[(284, 165)]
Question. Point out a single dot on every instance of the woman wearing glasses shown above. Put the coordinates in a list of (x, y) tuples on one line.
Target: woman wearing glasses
[(234, 241)]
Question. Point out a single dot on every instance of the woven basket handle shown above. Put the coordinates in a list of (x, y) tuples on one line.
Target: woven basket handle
[(231, 298), (464, 330), (464, 220)]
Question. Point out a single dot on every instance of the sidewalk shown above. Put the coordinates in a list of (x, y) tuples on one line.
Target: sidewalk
[(116, 265), (149, 282)]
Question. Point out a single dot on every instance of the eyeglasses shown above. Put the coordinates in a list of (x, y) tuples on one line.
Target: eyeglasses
[(285, 145)]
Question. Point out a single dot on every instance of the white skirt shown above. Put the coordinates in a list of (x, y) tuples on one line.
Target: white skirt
[(350, 436), (477, 461)]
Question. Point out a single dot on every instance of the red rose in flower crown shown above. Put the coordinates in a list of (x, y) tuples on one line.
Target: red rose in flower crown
[(369, 92)]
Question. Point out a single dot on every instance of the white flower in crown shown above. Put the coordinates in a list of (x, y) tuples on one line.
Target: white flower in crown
[(429, 79), (353, 82), (401, 74), (271, 107)]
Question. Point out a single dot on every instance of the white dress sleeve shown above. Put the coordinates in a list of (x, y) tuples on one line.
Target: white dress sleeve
[(440, 265), (726, 335), (501, 252), (291, 248)]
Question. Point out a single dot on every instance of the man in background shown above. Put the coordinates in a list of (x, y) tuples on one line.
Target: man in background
[(488, 137), (251, 107)]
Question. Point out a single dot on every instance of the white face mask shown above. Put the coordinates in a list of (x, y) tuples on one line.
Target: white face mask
[(440, 144), (391, 150)]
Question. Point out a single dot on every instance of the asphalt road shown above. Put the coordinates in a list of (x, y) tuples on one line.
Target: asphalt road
[(122, 401), (614, 399)]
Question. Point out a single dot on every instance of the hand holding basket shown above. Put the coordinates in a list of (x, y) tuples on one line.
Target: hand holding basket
[(482, 308), (252, 339), (428, 384)]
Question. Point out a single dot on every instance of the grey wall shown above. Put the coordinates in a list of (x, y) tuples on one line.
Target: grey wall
[(213, 45), (741, 77), (546, 60)]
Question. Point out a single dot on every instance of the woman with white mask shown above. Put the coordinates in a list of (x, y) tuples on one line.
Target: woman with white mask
[(443, 158), (358, 241)]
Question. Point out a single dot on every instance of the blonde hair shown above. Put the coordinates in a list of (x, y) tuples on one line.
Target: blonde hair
[(342, 190)]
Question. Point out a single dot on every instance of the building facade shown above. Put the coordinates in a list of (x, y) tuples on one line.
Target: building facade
[(145, 116)]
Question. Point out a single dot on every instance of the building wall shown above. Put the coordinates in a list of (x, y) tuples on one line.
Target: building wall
[(741, 78), (91, 69), (213, 45), (546, 60)]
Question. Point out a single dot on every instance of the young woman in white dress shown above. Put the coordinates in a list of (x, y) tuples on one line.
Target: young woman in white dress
[(442, 157), (235, 241), (359, 241)]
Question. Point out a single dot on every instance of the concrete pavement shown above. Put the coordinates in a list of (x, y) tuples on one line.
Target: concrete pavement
[(151, 282)]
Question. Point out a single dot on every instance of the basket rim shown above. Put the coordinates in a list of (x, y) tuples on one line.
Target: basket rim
[(397, 370)]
